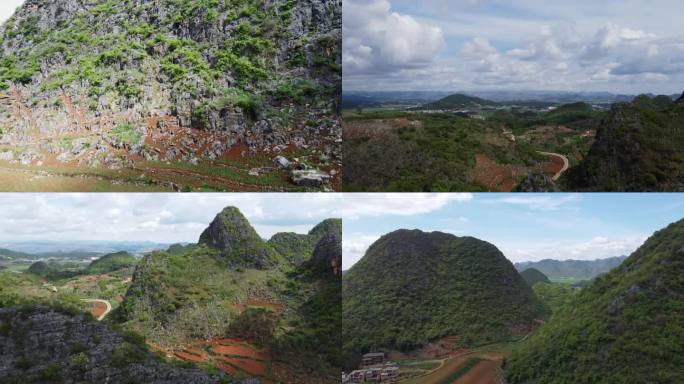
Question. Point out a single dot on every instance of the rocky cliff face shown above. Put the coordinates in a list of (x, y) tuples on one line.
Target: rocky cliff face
[(639, 147), (297, 248), (111, 83), (233, 235), (41, 344), (327, 257)]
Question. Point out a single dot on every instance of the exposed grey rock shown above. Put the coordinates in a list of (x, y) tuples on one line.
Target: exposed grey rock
[(311, 178), (7, 156), (282, 162), (239, 243), (34, 339)]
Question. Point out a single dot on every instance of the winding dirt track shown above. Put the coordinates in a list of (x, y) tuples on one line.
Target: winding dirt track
[(566, 163), (107, 305)]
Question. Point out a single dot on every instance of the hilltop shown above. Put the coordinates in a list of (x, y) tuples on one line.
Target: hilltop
[(111, 262), (180, 87), (638, 147), (626, 326), (533, 276), (457, 101), (412, 287)]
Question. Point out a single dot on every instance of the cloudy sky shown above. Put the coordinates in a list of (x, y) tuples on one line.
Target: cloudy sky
[(619, 46), (7, 8), (524, 227), (164, 218)]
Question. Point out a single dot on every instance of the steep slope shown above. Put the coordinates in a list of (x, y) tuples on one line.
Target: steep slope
[(319, 338), (294, 246), (225, 289), (638, 147), (413, 287), (111, 262), (533, 276), (625, 327), (458, 101), (572, 270), (108, 83), (238, 242), (44, 345)]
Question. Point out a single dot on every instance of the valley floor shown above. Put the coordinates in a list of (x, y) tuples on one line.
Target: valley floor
[(143, 177)]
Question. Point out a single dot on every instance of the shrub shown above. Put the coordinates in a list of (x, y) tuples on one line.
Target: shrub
[(126, 133)]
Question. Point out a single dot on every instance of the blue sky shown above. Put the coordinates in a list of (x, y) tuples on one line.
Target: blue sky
[(525, 227), (619, 46)]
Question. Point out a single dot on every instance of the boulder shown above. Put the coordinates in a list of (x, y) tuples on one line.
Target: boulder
[(282, 162), (312, 178)]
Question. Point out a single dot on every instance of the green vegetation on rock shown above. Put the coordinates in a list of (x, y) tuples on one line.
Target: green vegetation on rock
[(625, 327), (638, 147), (412, 288)]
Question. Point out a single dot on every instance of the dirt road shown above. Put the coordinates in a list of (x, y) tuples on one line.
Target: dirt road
[(98, 311), (566, 163)]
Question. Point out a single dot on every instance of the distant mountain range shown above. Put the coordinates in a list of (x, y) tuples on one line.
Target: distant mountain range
[(571, 270), (78, 249), (373, 99)]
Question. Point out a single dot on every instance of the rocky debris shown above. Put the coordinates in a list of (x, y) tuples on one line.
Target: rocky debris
[(239, 243), (282, 162), (112, 161), (65, 157), (78, 146), (7, 156), (29, 156), (40, 340), (173, 154), (311, 178)]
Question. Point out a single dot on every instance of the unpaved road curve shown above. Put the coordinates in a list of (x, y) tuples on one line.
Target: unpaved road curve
[(566, 163), (105, 302)]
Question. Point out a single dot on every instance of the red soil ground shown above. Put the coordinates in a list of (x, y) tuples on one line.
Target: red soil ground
[(495, 177), (98, 309), (237, 350), (252, 367), (482, 373), (553, 166)]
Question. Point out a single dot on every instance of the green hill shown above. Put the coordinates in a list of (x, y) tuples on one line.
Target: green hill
[(625, 327), (570, 113), (572, 270), (111, 262), (41, 268), (294, 246), (224, 287), (639, 147), (413, 287), (533, 276), (458, 101)]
